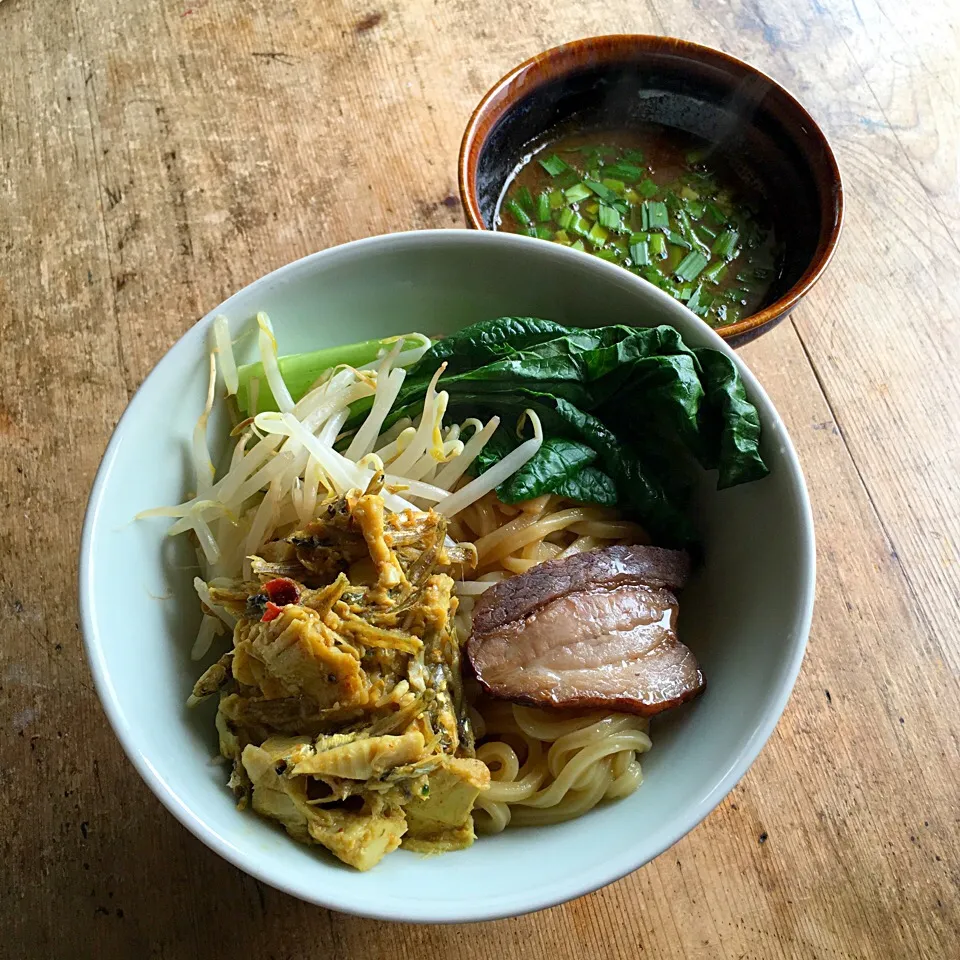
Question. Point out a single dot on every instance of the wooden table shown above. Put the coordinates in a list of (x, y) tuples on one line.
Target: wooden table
[(155, 157)]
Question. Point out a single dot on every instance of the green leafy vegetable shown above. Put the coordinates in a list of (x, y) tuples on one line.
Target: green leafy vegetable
[(627, 412), (556, 462), (301, 370), (730, 421), (590, 485)]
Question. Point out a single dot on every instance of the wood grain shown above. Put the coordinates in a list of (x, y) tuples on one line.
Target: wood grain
[(156, 157)]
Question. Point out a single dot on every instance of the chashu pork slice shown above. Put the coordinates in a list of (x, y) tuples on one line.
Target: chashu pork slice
[(595, 630)]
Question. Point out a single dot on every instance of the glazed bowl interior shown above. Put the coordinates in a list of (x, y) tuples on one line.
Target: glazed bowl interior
[(748, 630), (610, 83)]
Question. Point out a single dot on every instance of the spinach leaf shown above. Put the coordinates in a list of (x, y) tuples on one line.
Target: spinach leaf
[(590, 485), (730, 422), (481, 343), (658, 499), (627, 413), (555, 463)]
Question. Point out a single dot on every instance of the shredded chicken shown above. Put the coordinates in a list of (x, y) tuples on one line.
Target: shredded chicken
[(341, 705)]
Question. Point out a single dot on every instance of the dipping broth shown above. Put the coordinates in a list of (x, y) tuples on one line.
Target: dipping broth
[(661, 203)]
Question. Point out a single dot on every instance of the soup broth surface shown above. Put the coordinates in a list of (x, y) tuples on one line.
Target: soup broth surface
[(659, 202)]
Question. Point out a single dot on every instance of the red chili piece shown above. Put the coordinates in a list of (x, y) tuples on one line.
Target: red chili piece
[(282, 591), (270, 612)]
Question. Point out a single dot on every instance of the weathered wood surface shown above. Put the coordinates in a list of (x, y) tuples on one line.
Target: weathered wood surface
[(155, 157)]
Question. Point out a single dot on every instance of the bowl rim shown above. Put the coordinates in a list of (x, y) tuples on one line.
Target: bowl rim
[(568, 888), (560, 60)]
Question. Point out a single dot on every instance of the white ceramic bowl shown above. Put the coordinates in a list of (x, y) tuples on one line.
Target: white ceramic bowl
[(746, 615)]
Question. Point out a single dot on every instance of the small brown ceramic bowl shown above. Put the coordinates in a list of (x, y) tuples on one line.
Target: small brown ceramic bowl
[(619, 81)]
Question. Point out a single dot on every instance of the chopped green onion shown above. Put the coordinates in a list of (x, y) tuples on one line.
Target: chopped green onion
[(700, 303), (617, 186), (561, 236), (647, 188), (677, 240), (691, 265), (686, 228), (544, 233), (688, 193), (557, 200), (695, 208), (543, 206), (716, 214), (565, 218), (519, 213), (529, 231), (686, 291), (658, 246), (581, 226), (608, 217), (654, 214), (708, 232), (609, 255), (634, 156), (623, 171), (640, 251), (554, 165), (604, 193), (577, 245), (715, 271), (597, 235), (525, 198), (578, 192), (726, 244), (590, 208)]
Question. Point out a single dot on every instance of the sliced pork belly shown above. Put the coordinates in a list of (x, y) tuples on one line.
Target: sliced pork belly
[(595, 630)]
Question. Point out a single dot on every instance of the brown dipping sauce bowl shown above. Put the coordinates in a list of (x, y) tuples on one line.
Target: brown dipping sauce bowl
[(622, 81)]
